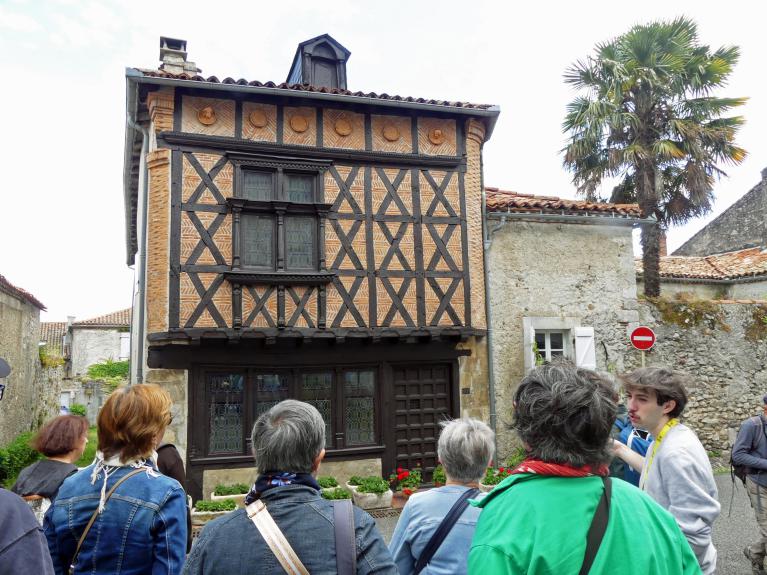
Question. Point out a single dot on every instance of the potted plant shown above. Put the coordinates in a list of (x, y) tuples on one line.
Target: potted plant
[(336, 493), (205, 510), (405, 482), (372, 493), (353, 483), (438, 477), (327, 483), (235, 491), (493, 477)]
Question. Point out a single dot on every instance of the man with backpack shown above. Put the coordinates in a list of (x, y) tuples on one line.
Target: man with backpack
[(750, 451)]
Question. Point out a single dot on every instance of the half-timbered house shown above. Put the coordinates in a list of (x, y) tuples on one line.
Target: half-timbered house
[(300, 240)]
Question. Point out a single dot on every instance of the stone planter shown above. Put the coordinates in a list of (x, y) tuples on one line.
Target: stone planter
[(202, 517), (486, 488), (372, 500), (329, 489), (351, 487), (238, 499)]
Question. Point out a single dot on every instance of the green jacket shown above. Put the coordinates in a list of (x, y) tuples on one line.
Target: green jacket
[(539, 527)]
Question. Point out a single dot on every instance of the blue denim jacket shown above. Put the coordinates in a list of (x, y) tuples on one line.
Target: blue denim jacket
[(142, 529), (231, 545)]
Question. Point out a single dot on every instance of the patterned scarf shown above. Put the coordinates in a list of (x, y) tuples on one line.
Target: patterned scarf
[(559, 469), (272, 479), (108, 465)]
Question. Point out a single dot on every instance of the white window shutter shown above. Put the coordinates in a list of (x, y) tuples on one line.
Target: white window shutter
[(124, 346), (585, 353), (528, 338)]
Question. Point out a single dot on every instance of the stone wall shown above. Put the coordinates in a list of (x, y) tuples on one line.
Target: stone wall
[(48, 383), (91, 346), (473, 376), (742, 225), (703, 290), (22, 408), (580, 274), (729, 371)]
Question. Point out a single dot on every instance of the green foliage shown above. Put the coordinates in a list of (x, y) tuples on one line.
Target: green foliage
[(757, 330), (539, 359), (327, 481), (207, 505), (685, 310), (355, 480), (235, 489), (49, 359), (110, 373), (337, 493), (495, 476), (517, 456), (439, 475), (16, 456), (90, 449), (78, 409), (373, 484)]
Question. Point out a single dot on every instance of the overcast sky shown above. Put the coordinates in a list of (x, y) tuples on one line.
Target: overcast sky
[(62, 233)]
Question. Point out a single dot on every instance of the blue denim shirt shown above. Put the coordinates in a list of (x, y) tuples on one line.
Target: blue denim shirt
[(232, 544), (420, 519), (142, 529)]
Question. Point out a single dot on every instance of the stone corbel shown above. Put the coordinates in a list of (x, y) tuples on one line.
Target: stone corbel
[(475, 131), (160, 105)]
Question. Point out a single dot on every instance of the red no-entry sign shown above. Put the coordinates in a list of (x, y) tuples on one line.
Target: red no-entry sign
[(642, 338)]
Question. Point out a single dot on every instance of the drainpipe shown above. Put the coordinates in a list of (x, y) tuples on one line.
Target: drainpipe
[(486, 241), (141, 272)]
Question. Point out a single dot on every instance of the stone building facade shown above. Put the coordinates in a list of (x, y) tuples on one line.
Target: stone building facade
[(26, 402), (301, 240)]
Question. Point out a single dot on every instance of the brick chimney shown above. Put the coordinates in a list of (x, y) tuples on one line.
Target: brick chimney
[(173, 56)]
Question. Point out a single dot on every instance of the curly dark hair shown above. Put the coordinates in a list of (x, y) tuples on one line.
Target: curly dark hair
[(564, 414), (666, 384)]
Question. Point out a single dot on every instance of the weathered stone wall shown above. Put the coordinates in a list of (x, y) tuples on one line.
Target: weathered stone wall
[(750, 290), (46, 392), (473, 376), (581, 272), (729, 371), (22, 408), (742, 225), (742, 290), (91, 346)]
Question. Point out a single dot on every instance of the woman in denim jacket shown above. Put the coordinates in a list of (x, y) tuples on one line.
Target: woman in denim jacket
[(141, 528)]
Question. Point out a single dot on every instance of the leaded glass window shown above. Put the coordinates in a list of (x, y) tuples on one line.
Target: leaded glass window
[(257, 185), (270, 389), (299, 242), (299, 188), (225, 417), (317, 389), (257, 241), (359, 396)]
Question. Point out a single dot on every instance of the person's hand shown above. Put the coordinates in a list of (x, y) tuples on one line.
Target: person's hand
[(617, 447)]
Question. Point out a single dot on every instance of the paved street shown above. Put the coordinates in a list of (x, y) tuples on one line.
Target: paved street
[(732, 530)]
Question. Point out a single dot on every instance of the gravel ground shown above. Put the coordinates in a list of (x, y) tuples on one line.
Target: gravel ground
[(732, 531)]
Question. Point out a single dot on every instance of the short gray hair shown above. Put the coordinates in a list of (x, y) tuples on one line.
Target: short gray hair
[(564, 414), (288, 437), (465, 448)]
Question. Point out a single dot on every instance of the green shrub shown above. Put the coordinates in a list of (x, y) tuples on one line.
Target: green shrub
[(235, 489), (327, 481), (109, 368), (373, 484), (495, 476), (517, 456), (16, 456), (355, 480), (50, 358), (206, 505), (439, 475), (337, 493), (90, 449), (78, 409)]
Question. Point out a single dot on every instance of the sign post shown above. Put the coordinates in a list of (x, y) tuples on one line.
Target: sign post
[(642, 338)]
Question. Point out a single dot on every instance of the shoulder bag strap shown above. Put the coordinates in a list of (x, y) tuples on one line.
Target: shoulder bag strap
[(444, 528), (274, 538), (96, 514), (597, 528), (346, 542)]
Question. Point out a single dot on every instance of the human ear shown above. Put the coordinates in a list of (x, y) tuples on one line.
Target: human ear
[(669, 406)]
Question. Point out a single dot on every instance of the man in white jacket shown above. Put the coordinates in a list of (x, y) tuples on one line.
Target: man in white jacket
[(675, 471)]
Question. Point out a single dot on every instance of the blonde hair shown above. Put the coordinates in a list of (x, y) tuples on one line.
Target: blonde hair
[(131, 419)]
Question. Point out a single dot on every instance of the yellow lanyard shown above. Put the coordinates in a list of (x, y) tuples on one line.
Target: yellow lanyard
[(655, 446)]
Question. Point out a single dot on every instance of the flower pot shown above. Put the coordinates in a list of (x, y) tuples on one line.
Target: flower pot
[(351, 487), (439, 484), (202, 517), (238, 499), (372, 500), (486, 488)]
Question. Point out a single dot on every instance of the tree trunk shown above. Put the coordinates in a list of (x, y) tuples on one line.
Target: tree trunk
[(647, 194)]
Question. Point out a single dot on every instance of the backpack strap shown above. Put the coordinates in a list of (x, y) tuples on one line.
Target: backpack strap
[(274, 538), (598, 527), (346, 542), (444, 528)]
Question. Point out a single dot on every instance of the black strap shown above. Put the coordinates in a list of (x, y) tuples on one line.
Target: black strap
[(444, 528), (597, 528), (346, 542)]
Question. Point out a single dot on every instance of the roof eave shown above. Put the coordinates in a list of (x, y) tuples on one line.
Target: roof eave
[(131, 109)]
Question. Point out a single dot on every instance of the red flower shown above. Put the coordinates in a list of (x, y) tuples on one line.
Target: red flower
[(403, 475), (399, 470), (407, 491)]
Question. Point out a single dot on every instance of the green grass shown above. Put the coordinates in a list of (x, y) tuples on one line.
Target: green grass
[(90, 449)]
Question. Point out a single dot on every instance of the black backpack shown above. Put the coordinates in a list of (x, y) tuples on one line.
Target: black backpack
[(742, 471)]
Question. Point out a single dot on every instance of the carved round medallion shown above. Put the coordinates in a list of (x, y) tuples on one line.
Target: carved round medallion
[(436, 136), (258, 119), (343, 127), (299, 123), (391, 132), (207, 116)]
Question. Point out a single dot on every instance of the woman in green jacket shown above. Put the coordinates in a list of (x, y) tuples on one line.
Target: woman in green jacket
[(536, 521)]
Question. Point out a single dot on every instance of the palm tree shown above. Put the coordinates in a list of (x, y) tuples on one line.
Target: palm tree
[(648, 118)]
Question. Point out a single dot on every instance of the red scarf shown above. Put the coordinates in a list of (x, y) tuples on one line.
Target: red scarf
[(559, 469)]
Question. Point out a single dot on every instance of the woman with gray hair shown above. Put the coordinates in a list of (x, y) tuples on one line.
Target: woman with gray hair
[(419, 542)]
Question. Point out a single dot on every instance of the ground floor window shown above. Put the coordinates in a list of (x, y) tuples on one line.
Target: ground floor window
[(348, 400)]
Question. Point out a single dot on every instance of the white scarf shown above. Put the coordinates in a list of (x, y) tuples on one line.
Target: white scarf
[(112, 464)]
